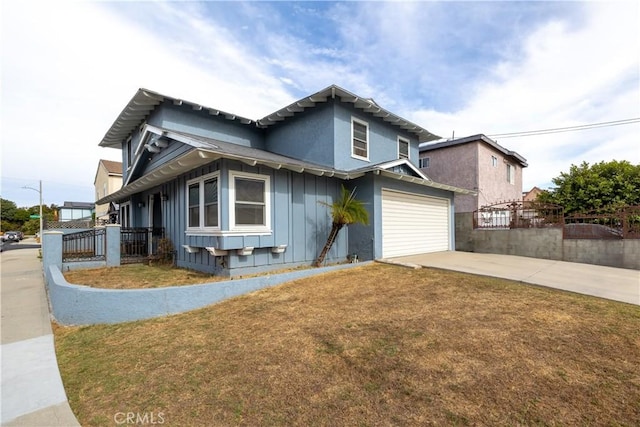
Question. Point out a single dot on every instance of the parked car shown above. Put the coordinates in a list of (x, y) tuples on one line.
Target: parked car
[(12, 236)]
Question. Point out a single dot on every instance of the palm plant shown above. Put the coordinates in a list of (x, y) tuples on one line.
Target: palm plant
[(344, 211)]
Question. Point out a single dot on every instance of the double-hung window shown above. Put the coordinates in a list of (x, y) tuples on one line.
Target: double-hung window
[(202, 203), (359, 139), (250, 200), (403, 148)]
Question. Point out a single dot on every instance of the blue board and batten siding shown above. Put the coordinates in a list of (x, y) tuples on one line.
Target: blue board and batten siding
[(322, 136), (299, 219)]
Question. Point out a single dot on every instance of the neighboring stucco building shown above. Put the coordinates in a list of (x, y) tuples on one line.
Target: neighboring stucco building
[(478, 163), (108, 180)]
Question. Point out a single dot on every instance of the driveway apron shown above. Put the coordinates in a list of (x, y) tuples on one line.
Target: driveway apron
[(618, 284)]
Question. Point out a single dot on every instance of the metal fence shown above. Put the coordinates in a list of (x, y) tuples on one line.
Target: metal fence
[(89, 245), (137, 244), (621, 223), (518, 214)]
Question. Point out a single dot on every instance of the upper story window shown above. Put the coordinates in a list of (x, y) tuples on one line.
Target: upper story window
[(359, 139), (424, 162), (403, 148), (494, 161), (250, 200), (202, 203), (511, 174)]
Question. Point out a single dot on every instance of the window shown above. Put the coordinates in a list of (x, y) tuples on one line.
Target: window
[(250, 200), (360, 139), (511, 179), (403, 148), (202, 203), (423, 163), (494, 161), (104, 190)]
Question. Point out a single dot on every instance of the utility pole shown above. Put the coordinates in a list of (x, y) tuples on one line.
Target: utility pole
[(40, 192)]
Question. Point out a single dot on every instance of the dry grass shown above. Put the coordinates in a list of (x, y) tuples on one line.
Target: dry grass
[(374, 345), (137, 276), (141, 276)]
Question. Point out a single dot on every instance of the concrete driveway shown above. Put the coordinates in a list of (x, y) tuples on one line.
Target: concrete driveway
[(616, 284)]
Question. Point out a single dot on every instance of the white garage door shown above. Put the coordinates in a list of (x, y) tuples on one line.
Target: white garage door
[(413, 224)]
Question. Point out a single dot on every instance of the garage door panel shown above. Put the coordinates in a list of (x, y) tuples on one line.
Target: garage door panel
[(413, 224)]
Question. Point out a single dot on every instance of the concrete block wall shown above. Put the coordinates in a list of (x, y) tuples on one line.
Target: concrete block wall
[(612, 253), (546, 243)]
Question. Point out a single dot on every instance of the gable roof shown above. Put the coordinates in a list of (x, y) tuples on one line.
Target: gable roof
[(141, 106), (476, 138), (206, 150), (145, 101), (112, 167), (367, 105)]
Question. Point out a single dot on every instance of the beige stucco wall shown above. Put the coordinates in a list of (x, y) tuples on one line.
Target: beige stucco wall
[(493, 184), (469, 166), (455, 166), (113, 183)]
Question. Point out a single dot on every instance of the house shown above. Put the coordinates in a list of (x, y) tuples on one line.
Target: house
[(236, 195), (531, 195), (71, 211), (475, 162), (108, 179)]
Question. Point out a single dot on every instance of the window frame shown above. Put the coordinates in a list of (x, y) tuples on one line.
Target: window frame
[(422, 161), (494, 161), (201, 203), (511, 174), (353, 138), (249, 228), (402, 140)]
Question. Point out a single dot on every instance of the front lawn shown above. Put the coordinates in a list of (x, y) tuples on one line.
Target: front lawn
[(372, 345)]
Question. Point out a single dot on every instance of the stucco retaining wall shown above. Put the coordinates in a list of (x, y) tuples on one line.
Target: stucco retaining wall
[(82, 305), (546, 243)]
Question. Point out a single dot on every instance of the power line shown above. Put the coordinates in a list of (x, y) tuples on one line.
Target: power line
[(566, 129)]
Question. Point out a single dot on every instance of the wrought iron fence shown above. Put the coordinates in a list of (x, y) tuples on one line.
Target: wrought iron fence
[(137, 244), (621, 223), (518, 214), (89, 245)]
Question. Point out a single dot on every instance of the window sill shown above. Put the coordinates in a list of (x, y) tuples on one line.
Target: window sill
[(223, 233)]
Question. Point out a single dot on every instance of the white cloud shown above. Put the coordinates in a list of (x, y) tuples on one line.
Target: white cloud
[(567, 75), (68, 69)]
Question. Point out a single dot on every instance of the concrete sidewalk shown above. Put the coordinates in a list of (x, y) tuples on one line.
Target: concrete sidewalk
[(32, 390), (616, 284)]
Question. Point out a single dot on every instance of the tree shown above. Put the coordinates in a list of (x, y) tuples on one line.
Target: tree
[(344, 211), (602, 186)]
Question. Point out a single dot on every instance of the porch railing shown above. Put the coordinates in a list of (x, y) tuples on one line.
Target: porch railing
[(137, 244)]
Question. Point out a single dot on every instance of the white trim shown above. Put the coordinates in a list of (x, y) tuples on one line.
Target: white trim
[(248, 229), (202, 229), (408, 142), (368, 142), (223, 233)]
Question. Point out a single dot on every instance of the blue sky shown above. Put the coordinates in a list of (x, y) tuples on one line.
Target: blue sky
[(68, 69)]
